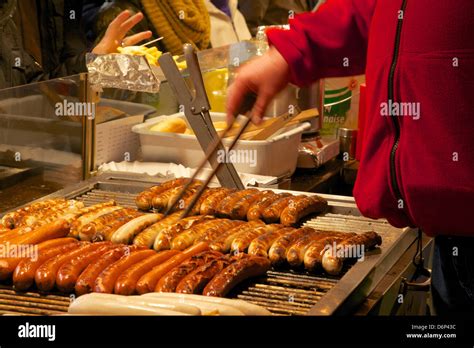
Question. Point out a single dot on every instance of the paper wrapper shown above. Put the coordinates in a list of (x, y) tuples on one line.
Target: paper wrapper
[(122, 71)]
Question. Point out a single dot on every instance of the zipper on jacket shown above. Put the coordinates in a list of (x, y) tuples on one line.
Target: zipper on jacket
[(393, 152)]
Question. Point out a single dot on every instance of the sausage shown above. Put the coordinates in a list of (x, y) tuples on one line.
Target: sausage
[(241, 207), (243, 240), (298, 208), (332, 262), (260, 245), (145, 198), (105, 282), (224, 242), (24, 274), (215, 231), (69, 271), (164, 237), (186, 239), (8, 264), (94, 230), (106, 231), (170, 280), (126, 233), (79, 223), (226, 280), (86, 281), (185, 199), (225, 207), (256, 208), (296, 252), (45, 277), (56, 229), (12, 219), (272, 213), (148, 281), (207, 193), (314, 252), (109, 304), (210, 204), (279, 248), (194, 282), (163, 201), (42, 217), (214, 303), (146, 238), (127, 281)]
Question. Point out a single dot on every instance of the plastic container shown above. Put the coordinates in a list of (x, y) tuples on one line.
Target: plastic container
[(274, 157)]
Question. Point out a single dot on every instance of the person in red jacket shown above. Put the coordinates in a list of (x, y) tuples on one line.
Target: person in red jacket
[(418, 157)]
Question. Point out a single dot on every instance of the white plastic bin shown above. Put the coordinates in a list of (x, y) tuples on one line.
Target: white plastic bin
[(274, 157)]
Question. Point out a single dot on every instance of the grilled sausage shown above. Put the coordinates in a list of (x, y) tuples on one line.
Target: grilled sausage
[(242, 241), (279, 248), (165, 236), (105, 282), (224, 242), (13, 219), (106, 231), (164, 200), (296, 252), (24, 274), (226, 280), (301, 207), (256, 208), (241, 207), (127, 281), (207, 193), (69, 271), (332, 263), (217, 230), (188, 237), (55, 210), (210, 204), (79, 223), (126, 232), (170, 280), (272, 213), (194, 282), (148, 281), (225, 207), (86, 281), (314, 252), (94, 229), (144, 199), (147, 237), (45, 277), (260, 245), (56, 229), (9, 264)]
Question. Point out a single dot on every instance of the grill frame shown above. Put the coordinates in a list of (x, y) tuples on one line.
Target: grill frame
[(345, 294)]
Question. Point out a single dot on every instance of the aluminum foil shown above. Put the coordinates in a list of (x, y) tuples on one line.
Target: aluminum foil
[(122, 71)]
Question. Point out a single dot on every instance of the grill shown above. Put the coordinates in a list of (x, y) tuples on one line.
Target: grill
[(282, 291)]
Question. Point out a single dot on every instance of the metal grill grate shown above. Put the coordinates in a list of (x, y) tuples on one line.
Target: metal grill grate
[(31, 303)]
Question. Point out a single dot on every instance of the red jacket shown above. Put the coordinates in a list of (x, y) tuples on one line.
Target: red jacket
[(413, 172)]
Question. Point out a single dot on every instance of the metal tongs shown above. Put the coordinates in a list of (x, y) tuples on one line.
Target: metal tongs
[(196, 108)]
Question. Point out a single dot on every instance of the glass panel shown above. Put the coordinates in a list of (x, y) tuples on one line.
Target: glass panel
[(41, 130)]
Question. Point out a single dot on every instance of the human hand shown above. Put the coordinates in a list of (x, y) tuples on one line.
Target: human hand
[(265, 77), (116, 34)]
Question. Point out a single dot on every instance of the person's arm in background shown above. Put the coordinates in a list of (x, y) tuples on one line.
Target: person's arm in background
[(254, 12), (317, 46), (72, 56)]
